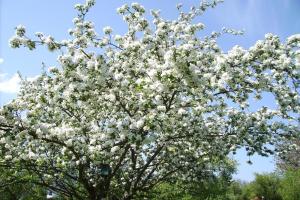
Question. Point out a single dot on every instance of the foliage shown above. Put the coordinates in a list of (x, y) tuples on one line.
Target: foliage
[(154, 104), (267, 186), (213, 186), (235, 190), (290, 185), (17, 185), (289, 158)]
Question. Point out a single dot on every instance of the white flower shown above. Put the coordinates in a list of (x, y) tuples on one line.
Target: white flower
[(114, 149), (39, 34), (91, 64), (169, 55), (122, 136), (138, 7), (122, 9), (15, 42), (179, 5), (20, 30), (140, 123), (161, 108), (118, 38), (294, 38), (8, 157), (118, 76), (181, 111), (32, 155), (152, 73), (104, 41), (111, 97), (90, 2), (52, 69), (132, 125), (48, 40), (200, 26), (69, 142), (205, 159), (107, 30), (110, 54), (161, 25)]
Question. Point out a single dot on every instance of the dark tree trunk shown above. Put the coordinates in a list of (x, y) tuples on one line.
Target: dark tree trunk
[(102, 191)]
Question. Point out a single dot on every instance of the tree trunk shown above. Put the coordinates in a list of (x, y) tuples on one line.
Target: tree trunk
[(101, 192)]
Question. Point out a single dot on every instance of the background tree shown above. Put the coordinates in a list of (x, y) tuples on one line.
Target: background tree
[(290, 185), (267, 186), (264, 186), (215, 185), (289, 158), (288, 162), (156, 103)]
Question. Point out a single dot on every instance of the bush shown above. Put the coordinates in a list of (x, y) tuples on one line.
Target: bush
[(267, 186), (290, 185)]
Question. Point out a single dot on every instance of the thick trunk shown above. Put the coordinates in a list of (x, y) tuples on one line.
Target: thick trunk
[(101, 192), (127, 198)]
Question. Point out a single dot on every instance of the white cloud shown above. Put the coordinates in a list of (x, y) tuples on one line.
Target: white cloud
[(9, 85), (2, 76), (34, 78), (1, 60)]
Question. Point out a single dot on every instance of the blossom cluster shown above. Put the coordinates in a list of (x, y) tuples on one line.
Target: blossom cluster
[(159, 100)]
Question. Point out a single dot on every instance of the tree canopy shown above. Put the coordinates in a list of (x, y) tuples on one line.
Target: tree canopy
[(121, 113)]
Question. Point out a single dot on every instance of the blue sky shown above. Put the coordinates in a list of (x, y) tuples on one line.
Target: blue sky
[(54, 17)]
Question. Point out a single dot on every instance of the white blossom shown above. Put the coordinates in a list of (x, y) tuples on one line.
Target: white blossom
[(159, 93), (114, 149), (107, 30)]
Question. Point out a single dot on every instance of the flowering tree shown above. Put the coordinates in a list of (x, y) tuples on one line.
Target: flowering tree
[(289, 155), (157, 102)]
